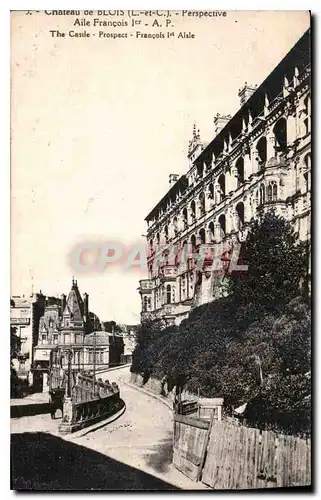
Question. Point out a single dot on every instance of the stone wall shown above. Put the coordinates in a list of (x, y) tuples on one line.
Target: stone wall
[(159, 388)]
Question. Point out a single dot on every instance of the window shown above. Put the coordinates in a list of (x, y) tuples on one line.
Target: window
[(202, 236), (166, 234), (193, 210), (185, 218), (175, 226), (261, 149), (240, 215), (211, 230), (280, 134), (168, 294), (262, 194), (240, 171), (307, 160), (269, 193), (145, 304), (221, 184), (202, 203), (222, 223)]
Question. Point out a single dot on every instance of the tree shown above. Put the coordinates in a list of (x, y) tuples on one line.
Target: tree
[(277, 264), (15, 343), (15, 346), (111, 326)]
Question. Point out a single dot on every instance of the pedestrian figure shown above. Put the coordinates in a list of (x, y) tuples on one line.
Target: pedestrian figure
[(56, 402)]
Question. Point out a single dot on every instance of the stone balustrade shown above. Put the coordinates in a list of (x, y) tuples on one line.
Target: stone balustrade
[(90, 402)]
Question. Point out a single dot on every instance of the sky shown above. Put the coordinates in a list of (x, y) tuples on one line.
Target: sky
[(98, 124)]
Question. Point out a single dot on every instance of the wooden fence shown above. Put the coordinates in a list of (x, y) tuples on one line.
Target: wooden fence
[(239, 457), (236, 457), (190, 441)]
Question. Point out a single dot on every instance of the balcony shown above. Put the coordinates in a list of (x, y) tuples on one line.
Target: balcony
[(168, 271), (145, 285), (304, 74), (276, 102)]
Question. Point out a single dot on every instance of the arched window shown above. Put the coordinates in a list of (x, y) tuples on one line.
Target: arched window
[(202, 236), (193, 241), (274, 191), (307, 160), (157, 238), (211, 231), (201, 200), (261, 149), (175, 226), (262, 194), (168, 294), (240, 215), (184, 218), (269, 192), (221, 183), (200, 170), (193, 210), (182, 257), (211, 191), (222, 223), (280, 135), (240, 171)]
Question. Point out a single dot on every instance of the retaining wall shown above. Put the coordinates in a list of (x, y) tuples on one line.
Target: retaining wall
[(160, 389)]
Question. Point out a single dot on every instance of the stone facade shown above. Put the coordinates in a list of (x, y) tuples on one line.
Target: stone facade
[(25, 313), (66, 324), (258, 160)]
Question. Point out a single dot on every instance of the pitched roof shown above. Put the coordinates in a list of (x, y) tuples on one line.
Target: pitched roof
[(74, 305)]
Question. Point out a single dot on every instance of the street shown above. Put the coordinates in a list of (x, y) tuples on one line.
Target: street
[(131, 453)]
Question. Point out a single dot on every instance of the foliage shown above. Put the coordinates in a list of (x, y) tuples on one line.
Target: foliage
[(277, 263), (111, 326), (252, 346), (15, 343)]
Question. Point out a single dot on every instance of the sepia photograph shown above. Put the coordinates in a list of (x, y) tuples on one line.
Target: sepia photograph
[(160, 254)]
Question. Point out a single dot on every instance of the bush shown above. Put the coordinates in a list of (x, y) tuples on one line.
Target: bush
[(252, 346)]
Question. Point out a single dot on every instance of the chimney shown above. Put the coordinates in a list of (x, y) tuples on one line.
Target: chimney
[(86, 305), (246, 92), (172, 179), (63, 303), (219, 122)]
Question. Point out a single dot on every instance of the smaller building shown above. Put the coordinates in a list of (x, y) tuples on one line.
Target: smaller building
[(129, 337), (67, 324), (25, 313)]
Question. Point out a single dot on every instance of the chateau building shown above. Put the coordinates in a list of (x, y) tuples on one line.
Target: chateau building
[(258, 160)]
